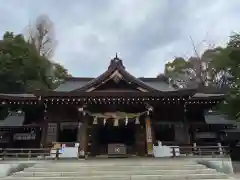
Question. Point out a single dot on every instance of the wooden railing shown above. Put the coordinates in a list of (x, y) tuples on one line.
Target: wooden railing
[(45, 153), (34, 153), (212, 151)]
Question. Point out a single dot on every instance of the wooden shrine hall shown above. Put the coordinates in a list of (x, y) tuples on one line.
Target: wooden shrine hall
[(112, 110)]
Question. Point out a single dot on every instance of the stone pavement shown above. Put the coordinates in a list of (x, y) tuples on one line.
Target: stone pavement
[(236, 169), (236, 176)]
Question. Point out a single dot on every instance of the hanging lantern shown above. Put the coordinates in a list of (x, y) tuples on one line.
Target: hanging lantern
[(137, 120), (95, 120), (104, 121), (126, 120), (115, 122)]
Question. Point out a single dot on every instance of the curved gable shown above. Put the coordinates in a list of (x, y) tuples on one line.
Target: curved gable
[(116, 73)]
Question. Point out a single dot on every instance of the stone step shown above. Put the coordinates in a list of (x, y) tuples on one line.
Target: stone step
[(132, 177), (110, 163), (112, 169), (119, 161), (122, 167), (116, 172)]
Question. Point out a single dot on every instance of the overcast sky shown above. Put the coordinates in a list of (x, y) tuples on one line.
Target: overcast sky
[(145, 33)]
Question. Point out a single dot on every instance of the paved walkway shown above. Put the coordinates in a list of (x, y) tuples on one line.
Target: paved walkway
[(236, 169), (236, 176)]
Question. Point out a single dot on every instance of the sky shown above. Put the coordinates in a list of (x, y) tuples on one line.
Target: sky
[(145, 34)]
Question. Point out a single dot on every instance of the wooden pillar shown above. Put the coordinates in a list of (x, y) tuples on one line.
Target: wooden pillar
[(44, 128), (58, 131), (93, 146), (186, 125), (140, 140), (187, 133), (153, 132), (149, 139), (43, 135), (79, 126), (83, 135), (79, 132)]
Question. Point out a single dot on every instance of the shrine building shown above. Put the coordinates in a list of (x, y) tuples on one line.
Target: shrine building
[(113, 108)]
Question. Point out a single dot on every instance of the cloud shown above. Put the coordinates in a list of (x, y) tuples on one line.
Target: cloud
[(146, 34)]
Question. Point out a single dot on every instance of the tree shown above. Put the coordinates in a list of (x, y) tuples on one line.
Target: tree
[(21, 66), (197, 71), (228, 63), (42, 35), (218, 67), (23, 69), (59, 74), (176, 71)]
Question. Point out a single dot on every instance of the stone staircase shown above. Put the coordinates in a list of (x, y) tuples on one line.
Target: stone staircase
[(119, 169)]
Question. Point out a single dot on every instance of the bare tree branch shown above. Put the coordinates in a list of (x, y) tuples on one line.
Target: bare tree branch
[(194, 47), (42, 35)]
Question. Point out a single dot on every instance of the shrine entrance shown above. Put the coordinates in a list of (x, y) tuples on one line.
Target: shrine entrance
[(116, 131), (123, 140), (117, 140)]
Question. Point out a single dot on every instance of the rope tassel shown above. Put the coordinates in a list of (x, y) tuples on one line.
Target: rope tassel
[(137, 120), (95, 120), (115, 122), (126, 120)]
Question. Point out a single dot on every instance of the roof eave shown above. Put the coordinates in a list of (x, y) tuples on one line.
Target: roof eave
[(81, 94)]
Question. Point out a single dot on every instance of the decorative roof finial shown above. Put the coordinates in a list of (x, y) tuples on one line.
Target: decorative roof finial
[(116, 62)]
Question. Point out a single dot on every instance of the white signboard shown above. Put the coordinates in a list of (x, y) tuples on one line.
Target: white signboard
[(52, 132), (24, 136), (69, 152)]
